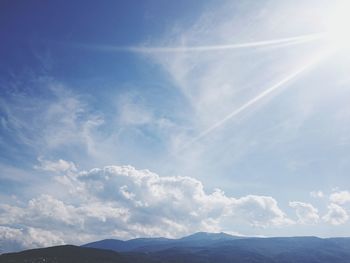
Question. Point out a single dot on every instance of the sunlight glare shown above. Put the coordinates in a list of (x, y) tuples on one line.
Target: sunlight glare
[(338, 26)]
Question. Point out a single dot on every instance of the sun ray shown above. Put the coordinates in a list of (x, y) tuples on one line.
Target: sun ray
[(257, 98)]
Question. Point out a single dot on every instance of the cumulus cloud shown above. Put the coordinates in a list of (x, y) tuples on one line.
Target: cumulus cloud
[(260, 211), (340, 197), (126, 202), (306, 213), (336, 215), (12, 239), (46, 211), (147, 195), (55, 166)]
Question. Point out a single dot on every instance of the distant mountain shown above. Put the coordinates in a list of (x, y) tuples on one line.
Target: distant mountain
[(214, 248), (129, 245), (110, 244), (261, 250), (201, 236), (155, 244)]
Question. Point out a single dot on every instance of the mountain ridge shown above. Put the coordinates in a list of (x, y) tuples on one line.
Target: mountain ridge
[(159, 243), (198, 248)]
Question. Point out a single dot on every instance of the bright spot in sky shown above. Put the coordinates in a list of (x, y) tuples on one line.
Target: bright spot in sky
[(338, 26)]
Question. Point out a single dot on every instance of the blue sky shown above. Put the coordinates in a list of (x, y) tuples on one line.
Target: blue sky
[(123, 119)]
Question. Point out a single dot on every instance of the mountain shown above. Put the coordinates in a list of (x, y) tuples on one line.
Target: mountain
[(155, 244), (205, 236), (261, 250), (129, 245), (63, 254), (73, 254), (225, 249)]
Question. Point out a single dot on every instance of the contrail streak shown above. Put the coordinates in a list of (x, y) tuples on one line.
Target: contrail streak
[(251, 102), (291, 40), (165, 49)]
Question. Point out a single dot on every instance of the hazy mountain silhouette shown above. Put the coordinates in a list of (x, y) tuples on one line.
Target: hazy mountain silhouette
[(205, 236), (155, 244), (196, 248)]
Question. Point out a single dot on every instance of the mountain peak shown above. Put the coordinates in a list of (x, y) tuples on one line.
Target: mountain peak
[(208, 236)]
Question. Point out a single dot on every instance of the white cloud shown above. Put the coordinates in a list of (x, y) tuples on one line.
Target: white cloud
[(216, 83), (179, 198), (317, 194), (260, 211), (336, 215), (42, 211), (36, 237), (133, 112), (59, 119), (225, 90), (306, 213), (48, 212), (340, 197), (13, 239), (55, 166), (131, 202), (69, 121)]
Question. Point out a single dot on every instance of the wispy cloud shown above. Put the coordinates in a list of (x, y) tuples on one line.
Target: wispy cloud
[(255, 100), (55, 166), (317, 194), (57, 119), (175, 49)]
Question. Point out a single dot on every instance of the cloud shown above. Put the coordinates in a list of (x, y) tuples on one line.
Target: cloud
[(340, 198), (59, 119), (124, 202), (132, 111), (253, 101), (317, 194), (68, 120), (306, 213), (14, 239), (170, 49), (260, 211), (229, 92), (55, 166), (336, 215), (215, 83), (146, 194)]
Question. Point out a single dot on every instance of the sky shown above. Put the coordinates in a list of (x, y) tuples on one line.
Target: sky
[(125, 119)]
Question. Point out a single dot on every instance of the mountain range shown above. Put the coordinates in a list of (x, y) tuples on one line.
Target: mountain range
[(200, 239), (197, 248)]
